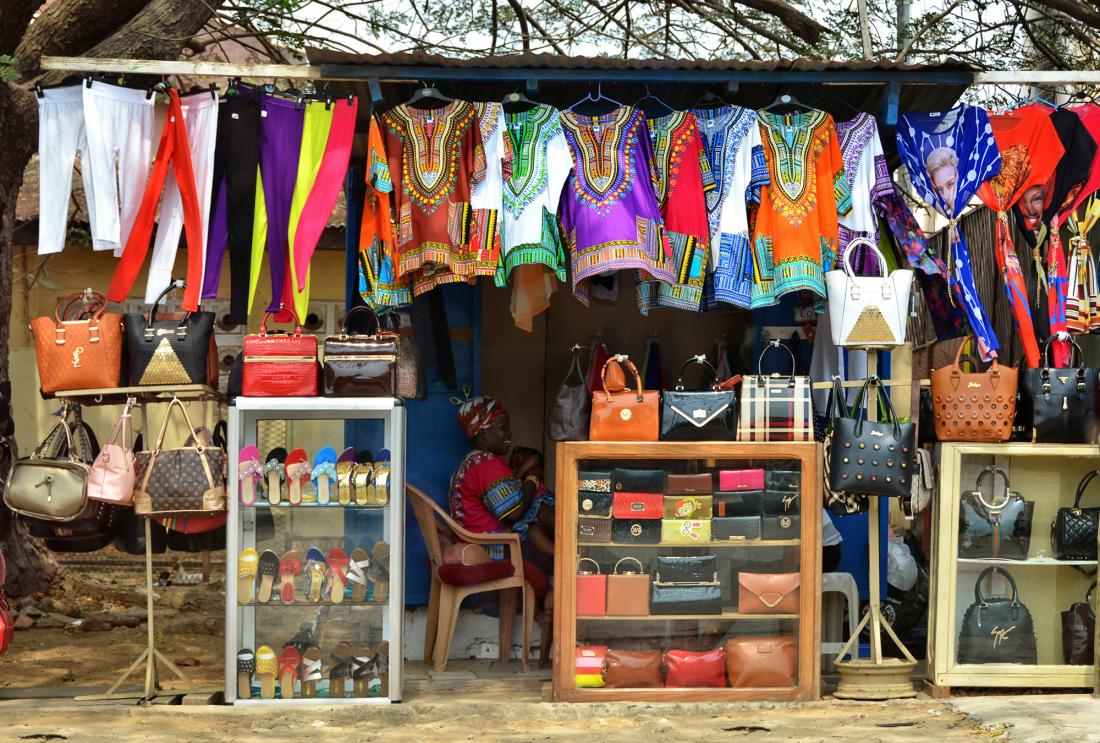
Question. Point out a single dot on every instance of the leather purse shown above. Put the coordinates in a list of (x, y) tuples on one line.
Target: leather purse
[(279, 365), (637, 505), (685, 531), (973, 406), (636, 531), (999, 528), (698, 484), (594, 481), (162, 351), (686, 669), (786, 480), (111, 477), (735, 528), (872, 458), (638, 481), (184, 480), (747, 503), (591, 590), (632, 669), (593, 529), (588, 667), (774, 407), (997, 630), (734, 480), (1073, 533), (686, 585), (780, 503), (412, 376), (688, 506), (701, 415), (867, 311), (1060, 405), (1079, 631), (571, 409), (627, 591), (52, 483), (768, 593), (80, 347), (781, 527), (630, 415), (753, 662), (361, 365), (594, 504), (685, 568)]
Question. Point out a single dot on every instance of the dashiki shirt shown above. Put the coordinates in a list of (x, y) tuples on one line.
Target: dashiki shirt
[(868, 179), (949, 154), (436, 157), (609, 212), (487, 194), (682, 175), (731, 139), (483, 491), (377, 284), (797, 230)]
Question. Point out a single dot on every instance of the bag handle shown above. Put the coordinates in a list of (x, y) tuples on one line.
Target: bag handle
[(836, 402), (124, 425), (776, 343), (574, 366), (344, 329), (1082, 486), (994, 471), (846, 255), (51, 445), (863, 400), (1076, 350), (585, 572), (698, 360), (987, 573), (293, 315), (97, 304), (1088, 594), (181, 329), (641, 568), (956, 366), (625, 361)]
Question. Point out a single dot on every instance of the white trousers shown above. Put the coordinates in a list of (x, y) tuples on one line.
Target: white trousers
[(61, 135), (200, 116), (119, 122)]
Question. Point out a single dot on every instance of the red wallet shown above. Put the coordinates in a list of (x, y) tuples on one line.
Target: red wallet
[(638, 506)]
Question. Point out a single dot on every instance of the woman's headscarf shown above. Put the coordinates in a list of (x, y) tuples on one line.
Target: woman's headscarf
[(479, 413)]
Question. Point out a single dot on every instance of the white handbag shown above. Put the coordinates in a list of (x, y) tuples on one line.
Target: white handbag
[(868, 311)]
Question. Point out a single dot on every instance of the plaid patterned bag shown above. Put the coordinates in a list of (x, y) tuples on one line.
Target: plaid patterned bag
[(774, 407)]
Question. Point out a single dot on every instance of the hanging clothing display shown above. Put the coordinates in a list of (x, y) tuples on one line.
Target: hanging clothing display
[(316, 123), (797, 228), (378, 283), (1083, 291), (61, 135), (487, 195), (949, 154), (1090, 117), (731, 140), (609, 212), (281, 128), (868, 179), (682, 176)]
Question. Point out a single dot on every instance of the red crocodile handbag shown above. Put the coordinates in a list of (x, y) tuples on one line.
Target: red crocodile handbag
[(280, 365)]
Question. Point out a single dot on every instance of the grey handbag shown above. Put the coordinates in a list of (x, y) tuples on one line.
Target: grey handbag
[(53, 488), (570, 413)]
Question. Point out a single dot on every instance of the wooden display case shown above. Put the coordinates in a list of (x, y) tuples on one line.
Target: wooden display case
[(1048, 475), (688, 631)]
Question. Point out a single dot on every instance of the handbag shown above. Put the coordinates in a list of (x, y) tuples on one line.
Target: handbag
[(637, 505), (636, 531), (997, 529), (630, 415), (685, 531), (188, 479), (685, 568), (78, 353), (924, 484), (775, 408), (1073, 533), (111, 478), (1060, 405), (594, 529), (591, 590), (699, 484), (412, 377), (731, 480), (698, 416), (628, 591), (735, 528), (768, 593), (688, 506), (997, 630), (762, 661), (168, 352), (632, 669), (358, 365), (1079, 631), (873, 458), (571, 408), (280, 365), (638, 481), (685, 588), (968, 406), (588, 668), (867, 311), (686, 669), (52, 483), (838, 502)]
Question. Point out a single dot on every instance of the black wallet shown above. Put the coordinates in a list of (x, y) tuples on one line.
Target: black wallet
[(780, 503), (736, 527), (685, 568), (790, 480), (636, 531), (781, 527), (740, 503), (638, 481)]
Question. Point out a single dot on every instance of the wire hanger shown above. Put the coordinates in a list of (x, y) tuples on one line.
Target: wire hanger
[(428, 93), (786, 99), (709, 98), (841, 100), (589, 98), (649, 96)]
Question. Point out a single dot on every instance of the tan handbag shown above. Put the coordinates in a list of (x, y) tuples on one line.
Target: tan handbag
[(762, 661), (628, 592), (973, 406), (768, 593), (632, 669), (189, 479), (78, 354), (630, 415)]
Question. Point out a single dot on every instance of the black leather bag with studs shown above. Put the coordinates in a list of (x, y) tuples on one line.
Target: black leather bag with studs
[(868, 457)]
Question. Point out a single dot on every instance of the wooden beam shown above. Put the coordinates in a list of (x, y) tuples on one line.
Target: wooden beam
[(179, 67)]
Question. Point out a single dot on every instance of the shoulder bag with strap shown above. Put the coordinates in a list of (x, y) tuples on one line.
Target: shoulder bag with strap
[(189, 479), (973, 406), (571, 408), (1073, 533)]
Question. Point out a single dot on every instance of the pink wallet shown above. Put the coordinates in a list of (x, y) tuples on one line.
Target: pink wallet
[(732, 480)]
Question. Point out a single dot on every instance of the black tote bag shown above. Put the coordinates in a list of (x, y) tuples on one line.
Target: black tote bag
[(572, 403)]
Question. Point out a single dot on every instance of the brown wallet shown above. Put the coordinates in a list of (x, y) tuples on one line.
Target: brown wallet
[(768, 593), (632, 669), (700, 484)]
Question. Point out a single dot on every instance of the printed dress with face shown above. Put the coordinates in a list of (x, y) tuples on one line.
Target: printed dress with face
[(731, 139), (378, 284), (949, 154), (609, 211), (436, 157), (797, 228), (682, 176)]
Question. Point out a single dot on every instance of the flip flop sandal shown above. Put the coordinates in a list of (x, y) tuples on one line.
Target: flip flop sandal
[(297, 473), (267, 666), (247, 566), (340, 671), (315, 570), (338, 570), (324, 474), (250, 473), (289, 568), (311, 671), (362, 670), (269, 571), (379, 572), (345, 473), (357, 575), (382, 666), (246, 669), (364, 476), (381, 486), (275, 471), (289, 659)]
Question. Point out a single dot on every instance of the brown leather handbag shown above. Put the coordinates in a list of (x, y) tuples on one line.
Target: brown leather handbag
[(628, 592), (630, 415), (361, 365), (632, 669), (185, 480), (80, 347), (762, 661), (973, 406), (768, 593)]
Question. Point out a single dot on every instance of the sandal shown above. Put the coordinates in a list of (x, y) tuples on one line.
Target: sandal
[(275, 470), (379, 572), (267, 666), (288, 670), (382, 666), (297, 472), (311, 671), (364, 478), (338, 570), (269, 571), (324, 474), (246, 669), (345, 472), (249, 473), (247, 564), (315, 571), (362, 671), (340, 671), (357, 575), (380, 489), (289, 568)]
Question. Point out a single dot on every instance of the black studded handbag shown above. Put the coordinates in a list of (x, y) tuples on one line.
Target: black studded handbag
[(869, 457), (1073, 533), (997, 630)]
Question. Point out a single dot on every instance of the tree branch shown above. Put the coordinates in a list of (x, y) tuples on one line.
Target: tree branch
[(16, 14), (800, 24), (71, 27), (523, 29), (924, 29), (1075, 10)]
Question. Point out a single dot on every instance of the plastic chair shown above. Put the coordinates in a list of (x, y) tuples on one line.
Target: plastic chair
[(457, 582), (845, 585)]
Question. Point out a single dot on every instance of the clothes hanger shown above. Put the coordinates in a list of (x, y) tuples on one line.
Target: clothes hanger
[(518, 102), (428, 93), (786, 99), (711, 99), (651, 97), (596, 99), (840, 100)]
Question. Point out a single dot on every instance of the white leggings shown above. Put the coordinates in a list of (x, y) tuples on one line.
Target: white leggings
[(200, 116), (61, 136), (119, 122)]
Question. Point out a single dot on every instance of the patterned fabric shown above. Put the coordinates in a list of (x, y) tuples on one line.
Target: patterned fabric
[(867, 176), (378, 284), (479, 413), (483, 491), (1083, 296), (773, 410)]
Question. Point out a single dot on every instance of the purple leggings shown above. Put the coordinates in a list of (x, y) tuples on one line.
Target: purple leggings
[(281, 125)]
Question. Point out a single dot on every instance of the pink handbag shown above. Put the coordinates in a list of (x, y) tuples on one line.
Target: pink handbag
[(112, 478)]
